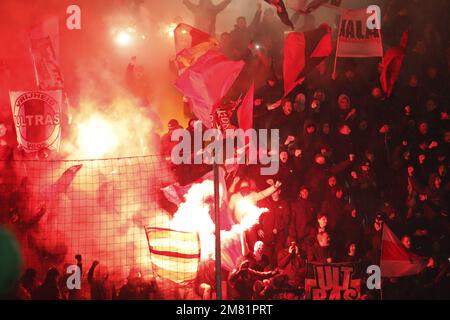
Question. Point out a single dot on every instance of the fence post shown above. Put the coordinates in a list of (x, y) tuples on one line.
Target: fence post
[(217, 232)]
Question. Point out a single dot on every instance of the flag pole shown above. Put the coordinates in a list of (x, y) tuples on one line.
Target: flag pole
[(217, 224), (381, 257), (333, 76)]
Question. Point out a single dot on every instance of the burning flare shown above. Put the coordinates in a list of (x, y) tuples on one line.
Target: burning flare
[(194, 216), (96, 137)]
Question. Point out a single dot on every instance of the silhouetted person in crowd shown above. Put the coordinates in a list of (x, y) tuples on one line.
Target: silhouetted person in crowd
[(49, 289)]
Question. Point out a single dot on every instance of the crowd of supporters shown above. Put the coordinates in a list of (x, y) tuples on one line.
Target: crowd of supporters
[(351, 160)]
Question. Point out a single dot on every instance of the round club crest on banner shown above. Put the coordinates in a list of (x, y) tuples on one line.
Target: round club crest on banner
[(37, 117)]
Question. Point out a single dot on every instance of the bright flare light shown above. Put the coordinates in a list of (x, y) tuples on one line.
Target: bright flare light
[(123, 38), (170, 30), (194, 216), (250, 214), (96, 137)]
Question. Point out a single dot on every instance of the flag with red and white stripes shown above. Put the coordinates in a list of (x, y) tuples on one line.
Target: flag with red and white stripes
[(175, 255), (396, 260)]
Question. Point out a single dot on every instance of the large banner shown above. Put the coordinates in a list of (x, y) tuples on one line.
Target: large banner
[(46, 66), (337, 281), (37, 118), (355, 39), (44, 48)]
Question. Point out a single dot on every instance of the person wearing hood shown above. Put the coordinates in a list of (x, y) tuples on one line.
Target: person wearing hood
[(308, 140), (351, 226), (330, 188), (286, 173), (317, 175), (257, 258), (318, 109), (344, 111), (273, 224), (166, 142), (271, 91), (302, 215), (283, 119), (422, 135), (433, 198), (334, 207), (291, 261), (433, 84), (412, 94), (364, 189), (377, 109), (243, 278), (300, 110), (342, 142), (325, 135)]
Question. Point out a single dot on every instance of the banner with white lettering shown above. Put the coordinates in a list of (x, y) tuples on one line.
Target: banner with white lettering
[(356, 39), (336, 281), (37, 116)]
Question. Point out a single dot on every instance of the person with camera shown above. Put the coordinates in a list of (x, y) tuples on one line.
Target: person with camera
[(291, 262)]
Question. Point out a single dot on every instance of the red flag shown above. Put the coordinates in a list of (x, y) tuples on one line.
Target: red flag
[(207, 81), (191, 44), (281, 11), (396, 260), (392, 63), (302, 52), (245, 111)]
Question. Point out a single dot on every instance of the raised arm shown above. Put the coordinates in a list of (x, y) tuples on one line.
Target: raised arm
[(90, 276), (221, 6), (190, 5), (257, 196), (283, 258), (256, 19), (232, 188), (261, 274)]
